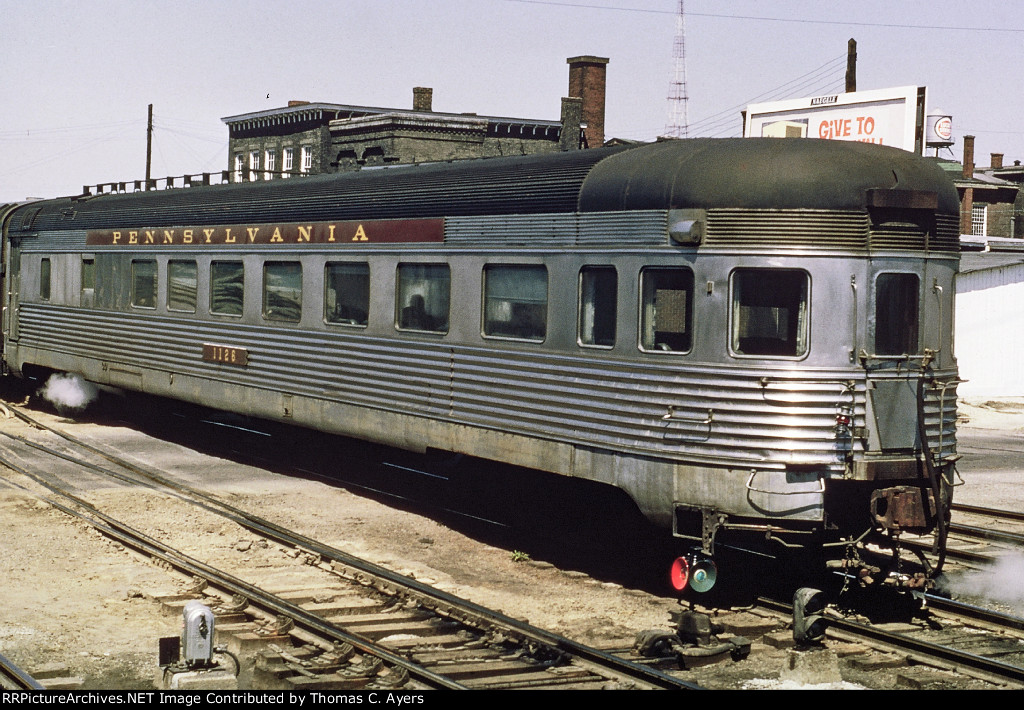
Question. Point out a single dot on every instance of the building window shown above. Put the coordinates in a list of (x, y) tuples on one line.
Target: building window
[(769, 312), (44, 279), (270, 165), (282, 291), (424, 292), (666, 309), (144, 283), (896, 314), (979, 220), (347, 293), (254, 166), (227, 287), (288, 162), (239, 167), (516, 301), (181, 286), (307, 159), (598, 301)]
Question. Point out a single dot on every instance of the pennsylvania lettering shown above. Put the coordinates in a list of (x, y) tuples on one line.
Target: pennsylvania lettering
[(347, 232)]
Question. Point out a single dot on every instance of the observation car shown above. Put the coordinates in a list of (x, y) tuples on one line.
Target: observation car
[(750, 337)]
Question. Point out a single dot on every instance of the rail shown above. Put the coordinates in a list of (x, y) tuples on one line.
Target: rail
[(458, 608)]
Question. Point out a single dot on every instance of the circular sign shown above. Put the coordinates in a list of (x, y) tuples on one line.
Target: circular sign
[(944, 128)]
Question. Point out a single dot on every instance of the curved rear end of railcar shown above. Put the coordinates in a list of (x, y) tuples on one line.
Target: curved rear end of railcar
[(823, 407)]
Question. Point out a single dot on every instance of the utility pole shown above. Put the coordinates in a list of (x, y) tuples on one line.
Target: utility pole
[(149, 144), (851, 66)]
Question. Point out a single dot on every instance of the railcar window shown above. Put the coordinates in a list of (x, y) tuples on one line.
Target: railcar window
[(896, 314), (227, 287), (769, 312), (666, 309), (88, 275), (516, 301), (44, 279), (347, 293), (424, 293), (598, 301), (182, 277), (282, 291), (144, 283)]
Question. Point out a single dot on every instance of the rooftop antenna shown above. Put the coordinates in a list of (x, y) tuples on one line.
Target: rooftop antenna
[(678, 122)]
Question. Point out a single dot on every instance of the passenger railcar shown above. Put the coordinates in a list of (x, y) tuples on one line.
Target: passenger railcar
[(746, 336)]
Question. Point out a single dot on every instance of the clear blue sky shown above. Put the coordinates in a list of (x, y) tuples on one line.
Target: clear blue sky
[(77, 76)]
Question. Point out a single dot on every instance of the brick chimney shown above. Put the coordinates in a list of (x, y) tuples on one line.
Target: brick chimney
[(997, 160), (968, 156), (587, 76), (422, 99)]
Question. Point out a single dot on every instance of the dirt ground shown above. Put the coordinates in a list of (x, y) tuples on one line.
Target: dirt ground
[(76, 602)]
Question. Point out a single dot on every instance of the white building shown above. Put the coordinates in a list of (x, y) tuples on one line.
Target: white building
[(989, 326)]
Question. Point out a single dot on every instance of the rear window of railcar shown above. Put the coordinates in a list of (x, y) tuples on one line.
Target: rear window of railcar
[(666, 309), (896, 314), (770, 312)]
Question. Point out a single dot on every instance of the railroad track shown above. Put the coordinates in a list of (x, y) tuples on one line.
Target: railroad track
[(1011, 522), (979, 536), (403, 634), (940, 648), (14, 678)]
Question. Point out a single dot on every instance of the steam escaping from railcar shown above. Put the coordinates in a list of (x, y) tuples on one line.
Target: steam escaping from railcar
[(999, 583), (69, 393)]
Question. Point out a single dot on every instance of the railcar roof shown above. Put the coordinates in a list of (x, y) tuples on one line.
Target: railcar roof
[(769, 173), (759, 173)]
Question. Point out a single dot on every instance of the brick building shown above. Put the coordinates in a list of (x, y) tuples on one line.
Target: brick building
[(991, 201), (305, 138)]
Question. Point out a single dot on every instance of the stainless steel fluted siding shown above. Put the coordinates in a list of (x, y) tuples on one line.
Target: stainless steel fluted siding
[(635, 229), (595, 401), (822, 229)]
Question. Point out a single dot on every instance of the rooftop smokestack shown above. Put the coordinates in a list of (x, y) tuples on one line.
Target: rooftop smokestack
[(587, 77), (997, 160), (968, 156), (422, 99)]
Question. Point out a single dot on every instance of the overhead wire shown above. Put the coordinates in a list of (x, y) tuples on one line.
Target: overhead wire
[(788, 89), (762, 18)]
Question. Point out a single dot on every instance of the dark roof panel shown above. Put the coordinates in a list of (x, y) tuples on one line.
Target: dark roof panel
[(759, 173), (769, 173)]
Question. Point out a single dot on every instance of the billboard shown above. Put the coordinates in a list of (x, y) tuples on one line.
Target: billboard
[(892, 117)]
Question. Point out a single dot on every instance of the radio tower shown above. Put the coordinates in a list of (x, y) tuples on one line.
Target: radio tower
[(678, 123)]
